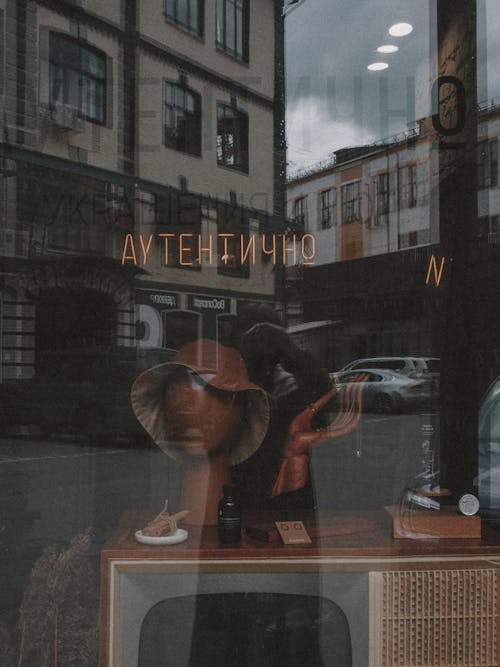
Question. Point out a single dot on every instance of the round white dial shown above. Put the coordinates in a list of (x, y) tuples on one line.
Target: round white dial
[(468, 504)]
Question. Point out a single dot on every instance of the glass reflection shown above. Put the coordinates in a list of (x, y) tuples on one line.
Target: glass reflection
[(147, 203)]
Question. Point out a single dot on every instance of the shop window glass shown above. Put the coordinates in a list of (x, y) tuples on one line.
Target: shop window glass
[(374, 212)]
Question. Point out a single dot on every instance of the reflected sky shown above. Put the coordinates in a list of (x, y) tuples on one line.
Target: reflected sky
[(334, 101), (489, 50)]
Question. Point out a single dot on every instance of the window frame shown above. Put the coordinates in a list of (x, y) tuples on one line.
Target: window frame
[(382, 202), (241, 118), (413, 239), (194, 27), (487, 163), (353, 202), (327, 212), (489, 228), (222, 18), (412, 185), (76, 221), (300, 211), (380, 198), (63, 64), (188, 136)]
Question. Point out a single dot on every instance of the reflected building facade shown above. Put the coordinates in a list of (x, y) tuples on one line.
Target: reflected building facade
[(142, 149), (132, 135), (407, 235)]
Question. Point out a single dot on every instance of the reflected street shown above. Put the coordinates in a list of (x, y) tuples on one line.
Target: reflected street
[(372, 466)]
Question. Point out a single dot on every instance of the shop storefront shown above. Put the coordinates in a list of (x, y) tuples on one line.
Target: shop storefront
[(249, 333)]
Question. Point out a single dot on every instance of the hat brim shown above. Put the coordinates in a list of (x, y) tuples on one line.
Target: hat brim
[(147, 398)]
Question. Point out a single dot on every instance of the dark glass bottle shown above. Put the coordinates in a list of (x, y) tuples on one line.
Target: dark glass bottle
[(229, 517)]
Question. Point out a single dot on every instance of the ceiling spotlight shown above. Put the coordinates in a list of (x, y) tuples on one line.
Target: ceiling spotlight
[(400, 29), (377, 67), (388, 48)]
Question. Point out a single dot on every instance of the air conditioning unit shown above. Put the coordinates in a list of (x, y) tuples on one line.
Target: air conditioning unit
[(65, 117), (13, 243)]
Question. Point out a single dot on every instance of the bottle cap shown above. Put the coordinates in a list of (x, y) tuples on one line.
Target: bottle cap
[(228, 489)]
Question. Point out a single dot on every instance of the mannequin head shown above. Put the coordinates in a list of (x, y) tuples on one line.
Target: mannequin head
[(204, 421), (201, 409)]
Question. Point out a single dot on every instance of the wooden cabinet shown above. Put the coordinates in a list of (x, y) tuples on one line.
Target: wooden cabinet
[(409, 603)]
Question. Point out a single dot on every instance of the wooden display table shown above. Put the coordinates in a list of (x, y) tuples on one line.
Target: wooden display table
[(436, 601)]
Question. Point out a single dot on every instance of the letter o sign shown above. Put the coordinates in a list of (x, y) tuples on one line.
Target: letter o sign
[(455, 105)]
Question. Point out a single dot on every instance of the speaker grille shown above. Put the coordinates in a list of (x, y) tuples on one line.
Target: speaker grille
[(437, 618)]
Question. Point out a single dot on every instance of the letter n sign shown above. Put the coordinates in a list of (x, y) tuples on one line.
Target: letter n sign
[(433, 270)]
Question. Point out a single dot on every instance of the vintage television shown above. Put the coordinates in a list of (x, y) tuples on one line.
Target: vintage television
[(234, 611), (182, 610)]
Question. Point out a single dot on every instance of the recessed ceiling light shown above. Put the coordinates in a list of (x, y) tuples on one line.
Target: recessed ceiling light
[(400, 29), (388, 48), (376, 67)]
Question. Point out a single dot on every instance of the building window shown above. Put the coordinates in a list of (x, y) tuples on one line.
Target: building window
[(408, 186), (300, 212), (232, 138), (327, 206), (350, 202), (175, 215), (232, 228), (186, 13), (415, 238), (232, 27), (487, 164), (182, 119), (66, 212), (489, 228), (381, 197), (77, 77)]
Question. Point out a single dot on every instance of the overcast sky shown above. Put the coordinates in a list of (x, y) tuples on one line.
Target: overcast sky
[(333, 100)]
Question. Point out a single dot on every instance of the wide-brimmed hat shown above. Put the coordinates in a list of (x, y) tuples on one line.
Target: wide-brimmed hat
[(218, 366)]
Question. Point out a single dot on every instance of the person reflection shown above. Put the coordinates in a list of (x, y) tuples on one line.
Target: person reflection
[(277, 476), (201, 408)]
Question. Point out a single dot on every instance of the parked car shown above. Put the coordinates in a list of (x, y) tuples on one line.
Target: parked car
[(410, 366), (426, 368), (385, 391)]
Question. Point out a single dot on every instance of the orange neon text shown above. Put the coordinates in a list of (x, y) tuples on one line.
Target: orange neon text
[(225, 249)]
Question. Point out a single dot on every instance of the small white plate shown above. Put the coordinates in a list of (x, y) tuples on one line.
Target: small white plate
[(179, 536)]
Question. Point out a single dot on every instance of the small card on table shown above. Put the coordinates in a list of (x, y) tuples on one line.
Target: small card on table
[(293, 532)]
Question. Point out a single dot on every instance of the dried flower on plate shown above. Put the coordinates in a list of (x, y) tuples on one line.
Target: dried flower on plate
[(164, 523)]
